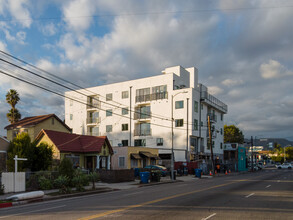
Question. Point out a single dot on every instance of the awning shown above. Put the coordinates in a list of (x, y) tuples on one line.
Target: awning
[(135, 156), (148, 154)]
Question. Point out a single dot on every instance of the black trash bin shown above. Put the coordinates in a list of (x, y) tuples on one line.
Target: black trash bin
[(155, 176)]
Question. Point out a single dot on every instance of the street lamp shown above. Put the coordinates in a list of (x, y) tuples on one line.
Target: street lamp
[(172, 135)]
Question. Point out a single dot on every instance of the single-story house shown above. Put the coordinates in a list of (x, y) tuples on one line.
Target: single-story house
[(134, 157), (33, 125), (87, 152)]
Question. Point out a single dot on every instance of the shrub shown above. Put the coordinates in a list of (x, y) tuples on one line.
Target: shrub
[(2, 189), (94, 177), (78, 183), (45, 183), (66, 168), (62, 183), (84, 178)]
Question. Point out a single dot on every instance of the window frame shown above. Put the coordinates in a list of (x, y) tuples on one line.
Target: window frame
[(179, 104), (178, 124), (125, 94), (109, 112), (109, 96), (123, 127), (107, 128)]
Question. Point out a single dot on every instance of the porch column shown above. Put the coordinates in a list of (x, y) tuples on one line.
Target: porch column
[(109, 162), (98, 162)]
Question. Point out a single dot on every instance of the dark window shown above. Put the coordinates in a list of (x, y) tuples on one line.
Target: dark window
[(159, 141), (179, 123), (124, 127), (124, 143), (139, 142)]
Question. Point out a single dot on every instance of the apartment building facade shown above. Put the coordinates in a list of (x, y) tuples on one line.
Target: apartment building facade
[(143, 113)]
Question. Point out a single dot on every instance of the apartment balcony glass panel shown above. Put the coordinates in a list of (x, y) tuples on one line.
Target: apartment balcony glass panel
[(143, 112), (213, 101), (92, 120), (142, 129)]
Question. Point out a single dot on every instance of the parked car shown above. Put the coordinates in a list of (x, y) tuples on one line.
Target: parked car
[(285, 166), (158, 167), (277, 164)]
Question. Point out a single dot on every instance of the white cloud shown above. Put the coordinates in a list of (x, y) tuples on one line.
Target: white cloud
[(3, 46), (49, 29), (215, 90), (19, 10), (78, 14), (232, 82), (273, 69)]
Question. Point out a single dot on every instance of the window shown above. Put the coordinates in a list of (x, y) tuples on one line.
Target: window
[(195, 124), (121, 162), (109, 97), (124, 94), (221, 146), (71, 117), (201, 124), (159, 141), (139, 142), (134, 163), (108, 128), (124, 143), (124, 127), (195, 106), (213, 144), (159, 92), (124, 111), (95, 131), (221, 130), (179, 123), (108, 112), (179, 104), (142, 112)]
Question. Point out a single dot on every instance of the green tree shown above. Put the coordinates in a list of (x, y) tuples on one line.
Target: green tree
[(12, 98), (233, 134), (19, 146), (38, 157)]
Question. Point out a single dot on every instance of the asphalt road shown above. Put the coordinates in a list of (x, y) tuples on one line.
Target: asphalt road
[(266, 194)]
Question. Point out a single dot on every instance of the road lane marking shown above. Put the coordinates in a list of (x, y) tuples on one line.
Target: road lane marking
[(151, 202), (268, 186), (251, 194), (210, 216), (279, 181), (39, 210), (135, 193)]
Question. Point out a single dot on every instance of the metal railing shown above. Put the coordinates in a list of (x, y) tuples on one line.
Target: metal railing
[(151, 97), (144, 132), (93, 120), (205, 96)]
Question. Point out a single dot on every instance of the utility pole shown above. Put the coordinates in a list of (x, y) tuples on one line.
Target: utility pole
[(251, 142), (130, 88), (186, 153), (211, 145)]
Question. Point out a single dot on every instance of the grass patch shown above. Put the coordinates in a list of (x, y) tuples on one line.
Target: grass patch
[(4, 201)]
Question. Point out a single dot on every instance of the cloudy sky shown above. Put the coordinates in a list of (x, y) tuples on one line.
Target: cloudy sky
[(243, 50)]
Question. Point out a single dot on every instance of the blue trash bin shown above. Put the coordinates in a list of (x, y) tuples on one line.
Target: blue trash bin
[(197, 173), (144, 177)]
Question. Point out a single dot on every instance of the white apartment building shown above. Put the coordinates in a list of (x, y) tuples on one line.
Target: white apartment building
[(139, 113)]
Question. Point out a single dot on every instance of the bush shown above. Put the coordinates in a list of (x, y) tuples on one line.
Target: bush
[(62, 183), (2, 189), (66, 169), (94, 177), (45, 183), (78, 183)]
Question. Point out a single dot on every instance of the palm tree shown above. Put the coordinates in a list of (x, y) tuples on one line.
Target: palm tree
[(12, 98)]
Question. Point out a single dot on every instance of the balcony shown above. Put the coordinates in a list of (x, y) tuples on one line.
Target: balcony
[(142, 132), (151, 97), (213, 117), (93, 121), (93, 133), (160, 95), (142, 116), (213, 101), (94, 104)]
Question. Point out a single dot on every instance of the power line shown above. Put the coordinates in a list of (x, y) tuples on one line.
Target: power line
[(59, 84), (56, 93), (149, 13)]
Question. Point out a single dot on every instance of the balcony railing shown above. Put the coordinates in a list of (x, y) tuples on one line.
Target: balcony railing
[(146, 115), (93, 120), (150, 97), (213, 117), (93, 133), (209, 99), (144, 132), (94, 104)]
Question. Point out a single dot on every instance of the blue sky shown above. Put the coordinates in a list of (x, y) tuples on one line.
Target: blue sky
[(242, 49)]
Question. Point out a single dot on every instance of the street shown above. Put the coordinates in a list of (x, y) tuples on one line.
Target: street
[(266, 194)]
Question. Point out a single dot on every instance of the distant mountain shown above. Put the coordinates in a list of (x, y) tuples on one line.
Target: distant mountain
[(268, 143)]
